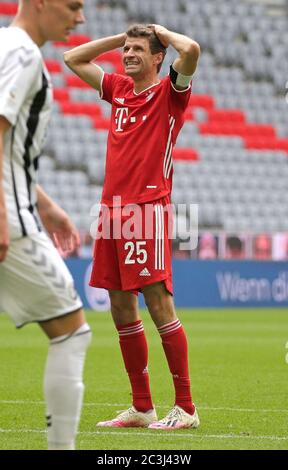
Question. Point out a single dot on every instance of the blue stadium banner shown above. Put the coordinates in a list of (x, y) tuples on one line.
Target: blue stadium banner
[(205, 284)]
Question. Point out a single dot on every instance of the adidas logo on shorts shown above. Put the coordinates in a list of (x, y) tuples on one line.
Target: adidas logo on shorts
[(144, 272)]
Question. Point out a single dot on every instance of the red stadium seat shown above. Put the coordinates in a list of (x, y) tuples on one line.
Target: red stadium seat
[(9, 9), (61, 94), (237, 129), (202, 101), (189, 115), (215, 128), (282, 144), (101, 123), (75, 82), (114, 58), (226, 115), (266, 143), (53, 66), (73, 41), (265, 130), (185, 154), (88, 109)]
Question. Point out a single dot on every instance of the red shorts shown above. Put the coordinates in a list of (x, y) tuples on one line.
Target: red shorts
[(134, 247)]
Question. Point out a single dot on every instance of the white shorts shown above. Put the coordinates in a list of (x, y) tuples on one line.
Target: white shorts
[(35, 284)]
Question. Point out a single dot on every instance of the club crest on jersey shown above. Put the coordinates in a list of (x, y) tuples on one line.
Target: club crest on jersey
[(150, 96), (120, 100)]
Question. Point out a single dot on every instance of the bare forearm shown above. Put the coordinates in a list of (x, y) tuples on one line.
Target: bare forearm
[(182, 44), (44, 202), (187, 48), (89, 51)]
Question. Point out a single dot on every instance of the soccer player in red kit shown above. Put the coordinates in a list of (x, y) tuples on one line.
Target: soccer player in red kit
[(147, 115)]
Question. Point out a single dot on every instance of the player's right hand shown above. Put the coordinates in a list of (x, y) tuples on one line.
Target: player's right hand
[(4, 238)]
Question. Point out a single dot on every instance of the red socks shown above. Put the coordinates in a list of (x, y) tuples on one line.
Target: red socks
[(176, 349), (135, 354)]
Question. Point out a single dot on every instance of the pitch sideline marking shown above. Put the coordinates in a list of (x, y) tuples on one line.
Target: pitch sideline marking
[(165, 435), (127, 405)]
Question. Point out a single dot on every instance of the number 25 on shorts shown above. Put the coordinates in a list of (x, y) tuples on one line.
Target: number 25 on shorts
[(136, 252)]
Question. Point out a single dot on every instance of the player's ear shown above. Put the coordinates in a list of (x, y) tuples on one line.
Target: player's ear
[(39, 4), (158, 58)]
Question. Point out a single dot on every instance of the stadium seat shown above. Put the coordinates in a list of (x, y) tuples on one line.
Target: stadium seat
[(74, 81), (185, 154), (61, 94), (53, 66), (9, 9), (88, 109), (73, 41)]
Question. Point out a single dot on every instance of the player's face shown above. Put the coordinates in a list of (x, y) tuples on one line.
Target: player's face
[(137, 57), (60, 17)]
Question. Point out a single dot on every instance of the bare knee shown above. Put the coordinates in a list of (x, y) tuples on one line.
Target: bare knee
[(154, 302), (124, 307), (160, 304)]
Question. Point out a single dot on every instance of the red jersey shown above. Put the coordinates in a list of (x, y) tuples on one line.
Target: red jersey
[(143, 131)]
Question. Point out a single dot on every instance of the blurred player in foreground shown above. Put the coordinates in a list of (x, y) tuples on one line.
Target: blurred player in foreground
[(147, 115), (35, 285)]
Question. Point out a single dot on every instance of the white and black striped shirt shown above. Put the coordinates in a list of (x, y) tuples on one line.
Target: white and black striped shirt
[(25, 101)]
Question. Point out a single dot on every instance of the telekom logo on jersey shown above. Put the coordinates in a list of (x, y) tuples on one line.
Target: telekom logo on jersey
[(121, 117)]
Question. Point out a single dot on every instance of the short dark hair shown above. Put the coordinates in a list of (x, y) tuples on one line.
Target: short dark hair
[(147, 31)]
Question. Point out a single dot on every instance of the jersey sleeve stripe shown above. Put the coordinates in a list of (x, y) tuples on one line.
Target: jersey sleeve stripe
[(169, 147)]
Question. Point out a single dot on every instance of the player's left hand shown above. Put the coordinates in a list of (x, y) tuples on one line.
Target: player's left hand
[(62, 230), (162, 34), (67, 240)]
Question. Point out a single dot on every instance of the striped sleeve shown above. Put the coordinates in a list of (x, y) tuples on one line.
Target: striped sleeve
[(179, 99), (112, 83)]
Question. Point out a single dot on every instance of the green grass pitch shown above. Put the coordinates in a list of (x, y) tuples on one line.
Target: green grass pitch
[(239, 379)]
